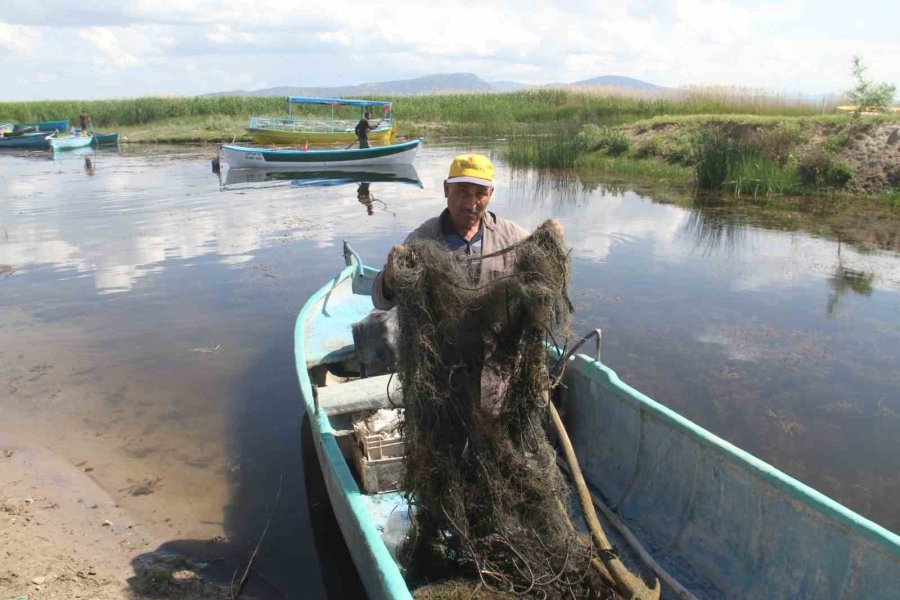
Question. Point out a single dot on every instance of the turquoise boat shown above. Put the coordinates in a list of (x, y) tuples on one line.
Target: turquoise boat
[(713, 520), (69, 142), (50, 126), (34, 139), (106, 139)]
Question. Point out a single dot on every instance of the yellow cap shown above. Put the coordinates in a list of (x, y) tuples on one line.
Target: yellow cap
[(471, 168)]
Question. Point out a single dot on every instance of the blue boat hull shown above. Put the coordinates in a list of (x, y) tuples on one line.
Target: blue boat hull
[(718, 521), (50, 126), (28, 140)]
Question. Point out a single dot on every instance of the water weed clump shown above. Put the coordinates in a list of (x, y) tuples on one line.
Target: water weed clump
[(557, 151)]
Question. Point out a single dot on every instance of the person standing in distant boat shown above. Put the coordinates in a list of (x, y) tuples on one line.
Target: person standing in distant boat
[(86, 124), (362, 130)]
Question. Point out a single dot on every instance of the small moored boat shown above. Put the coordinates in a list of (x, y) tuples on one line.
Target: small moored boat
[(327, 127), (106, 139), (69, 142), (34, 139), (262, 158), (717, 521), (50, 126)]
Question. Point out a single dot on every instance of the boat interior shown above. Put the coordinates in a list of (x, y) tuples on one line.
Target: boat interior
[(710, 520)]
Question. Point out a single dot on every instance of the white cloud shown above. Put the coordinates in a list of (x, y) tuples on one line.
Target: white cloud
[(108, 47), (138, 46), (18, 40)]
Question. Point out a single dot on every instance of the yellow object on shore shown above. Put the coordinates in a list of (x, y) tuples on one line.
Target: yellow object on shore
[(855, 107)]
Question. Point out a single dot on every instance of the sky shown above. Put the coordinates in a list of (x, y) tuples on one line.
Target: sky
[(89, 49)]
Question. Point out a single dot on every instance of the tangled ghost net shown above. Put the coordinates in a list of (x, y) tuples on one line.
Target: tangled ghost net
[(489, 499)]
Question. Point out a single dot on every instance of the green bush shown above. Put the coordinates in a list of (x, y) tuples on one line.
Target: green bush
[(820, 169)]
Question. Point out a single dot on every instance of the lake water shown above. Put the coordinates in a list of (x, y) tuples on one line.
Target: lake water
[(147, 314)]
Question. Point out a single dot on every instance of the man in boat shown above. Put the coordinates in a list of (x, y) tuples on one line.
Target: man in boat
[(467, 229), (86, 124), (362, 130)]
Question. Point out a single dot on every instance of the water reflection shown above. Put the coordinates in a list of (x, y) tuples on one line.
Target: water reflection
[(712, 229), (115, 280), (324, 177), (845, 280)]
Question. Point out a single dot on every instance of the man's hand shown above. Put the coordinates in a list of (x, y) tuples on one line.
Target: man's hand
[(559, 227), (389, 267)]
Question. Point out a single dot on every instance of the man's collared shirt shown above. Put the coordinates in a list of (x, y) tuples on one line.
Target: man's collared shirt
[(463, 248)]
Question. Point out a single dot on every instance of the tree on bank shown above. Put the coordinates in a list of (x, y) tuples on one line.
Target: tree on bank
[(867, 95)]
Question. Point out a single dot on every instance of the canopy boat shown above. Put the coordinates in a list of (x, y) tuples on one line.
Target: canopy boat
[(262, 158), (327, 128), (714, 521), (34, 139), (69, 142), (325, 177)]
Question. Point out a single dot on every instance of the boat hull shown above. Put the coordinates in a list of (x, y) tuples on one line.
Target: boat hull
[(28, 140), (50, 126), (106, 139), (261, 158), (297, 138), (71, 142), (722, 522)]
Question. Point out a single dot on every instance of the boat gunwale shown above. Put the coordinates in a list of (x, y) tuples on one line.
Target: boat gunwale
[(391, 580), (399, 147), (810, 497)]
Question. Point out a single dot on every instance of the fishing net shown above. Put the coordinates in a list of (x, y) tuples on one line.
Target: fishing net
[(489, 499)]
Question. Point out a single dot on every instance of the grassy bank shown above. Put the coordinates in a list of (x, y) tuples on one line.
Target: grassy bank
[(446, 115), (742, 154)]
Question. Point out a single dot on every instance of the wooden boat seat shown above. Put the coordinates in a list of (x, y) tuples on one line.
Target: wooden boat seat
[(370, 393)]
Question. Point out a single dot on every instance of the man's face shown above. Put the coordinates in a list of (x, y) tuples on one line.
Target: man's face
[(466, 202)]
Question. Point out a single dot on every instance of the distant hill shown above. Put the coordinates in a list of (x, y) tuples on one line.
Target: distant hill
[(432, 84), (619, 81)]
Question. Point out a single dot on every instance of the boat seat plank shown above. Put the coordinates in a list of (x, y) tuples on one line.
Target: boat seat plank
[(370, 393)]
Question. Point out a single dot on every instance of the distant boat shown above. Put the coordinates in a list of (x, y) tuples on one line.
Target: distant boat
[(34, 139), (716, 521), (327, 128), (48, 125), (70, 141), (103, 139), (262, 158), (325, 177)]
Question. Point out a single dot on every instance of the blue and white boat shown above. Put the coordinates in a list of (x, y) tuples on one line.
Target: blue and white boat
[(714, 521), (243, 157)]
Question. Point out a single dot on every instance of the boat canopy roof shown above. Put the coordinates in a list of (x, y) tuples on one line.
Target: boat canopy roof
[(342, 101)]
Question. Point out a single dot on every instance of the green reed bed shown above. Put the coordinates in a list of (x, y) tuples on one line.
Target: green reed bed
[(531, 111), (641, 168)]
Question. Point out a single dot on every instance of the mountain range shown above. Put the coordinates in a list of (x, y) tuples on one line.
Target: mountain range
[(435, 84)]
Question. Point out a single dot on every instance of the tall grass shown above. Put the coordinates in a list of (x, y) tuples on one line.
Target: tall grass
[(548, 151), (491, 114)]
